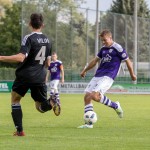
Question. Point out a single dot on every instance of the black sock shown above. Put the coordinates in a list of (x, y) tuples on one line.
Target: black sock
[(17, 116)]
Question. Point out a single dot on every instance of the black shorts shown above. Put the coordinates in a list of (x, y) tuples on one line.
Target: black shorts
[(38, 91)]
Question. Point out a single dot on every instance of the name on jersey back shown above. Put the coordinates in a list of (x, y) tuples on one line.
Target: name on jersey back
[(41, 40)]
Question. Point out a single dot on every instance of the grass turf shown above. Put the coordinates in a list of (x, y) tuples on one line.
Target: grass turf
[(47, 131)]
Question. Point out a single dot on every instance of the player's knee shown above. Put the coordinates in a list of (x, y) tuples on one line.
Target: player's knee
[(15, 97), (96, 96), (85, 97), (45, 106)]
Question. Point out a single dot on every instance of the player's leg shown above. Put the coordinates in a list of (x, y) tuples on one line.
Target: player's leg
[(108, 102), (18, 91), (56, 91), (103, 84), (39, 95), (17, 113), (54, 99), (88, 106), (57, 96), (40, 98), (38, 106), (52, 89)]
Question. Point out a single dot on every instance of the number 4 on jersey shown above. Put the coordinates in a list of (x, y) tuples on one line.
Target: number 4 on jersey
[(41, 55)]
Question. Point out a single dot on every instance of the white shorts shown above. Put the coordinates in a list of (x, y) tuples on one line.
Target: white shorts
[(54, 84), (99, 84)]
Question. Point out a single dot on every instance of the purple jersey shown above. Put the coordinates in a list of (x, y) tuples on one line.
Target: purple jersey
[(55, 70), (111, 58)]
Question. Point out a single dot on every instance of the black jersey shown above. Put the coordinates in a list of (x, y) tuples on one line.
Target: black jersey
[(37, 48)]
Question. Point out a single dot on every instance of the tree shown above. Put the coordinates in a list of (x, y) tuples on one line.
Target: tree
[(127, 7), (5, 2), (10, 30), (120, 21), (64, 25)]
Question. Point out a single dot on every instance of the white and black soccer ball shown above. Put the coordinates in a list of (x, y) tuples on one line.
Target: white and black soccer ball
[(90, 117)]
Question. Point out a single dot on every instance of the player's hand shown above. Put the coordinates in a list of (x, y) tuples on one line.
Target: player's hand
[(134, 78), (82, 74), (62, 81)]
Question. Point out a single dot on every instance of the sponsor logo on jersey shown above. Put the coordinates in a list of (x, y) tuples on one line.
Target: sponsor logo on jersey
[(54, 69), (107, 58)]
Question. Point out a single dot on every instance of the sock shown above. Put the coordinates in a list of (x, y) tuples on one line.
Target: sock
[(106, 101), (52, 92), (57, 96), (88, 107), (17, 116)]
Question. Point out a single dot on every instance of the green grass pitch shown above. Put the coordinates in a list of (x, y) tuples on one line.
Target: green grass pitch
[(47, 131)]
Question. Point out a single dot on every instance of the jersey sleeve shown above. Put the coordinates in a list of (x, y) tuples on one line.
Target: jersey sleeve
[(60, 65), (25, 46), (121, 52), (99, 55)]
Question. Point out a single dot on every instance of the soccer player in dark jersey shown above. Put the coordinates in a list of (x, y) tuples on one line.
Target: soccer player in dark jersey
[(56, 72), (34, 58), (110, 57)]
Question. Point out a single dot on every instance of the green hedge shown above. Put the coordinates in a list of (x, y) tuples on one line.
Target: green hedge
[(7, 73), (70, 76)]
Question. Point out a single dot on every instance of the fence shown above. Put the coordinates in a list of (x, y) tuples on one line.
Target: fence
[(72, 32)]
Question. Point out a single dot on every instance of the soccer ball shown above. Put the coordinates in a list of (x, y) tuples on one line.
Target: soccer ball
[(90, 117)]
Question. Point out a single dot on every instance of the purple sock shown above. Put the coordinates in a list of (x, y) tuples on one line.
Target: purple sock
[(106, 101), (113, 105)]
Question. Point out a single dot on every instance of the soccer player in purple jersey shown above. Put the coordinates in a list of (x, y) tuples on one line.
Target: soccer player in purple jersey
[(56, 72), (33, 59), (110, 57)]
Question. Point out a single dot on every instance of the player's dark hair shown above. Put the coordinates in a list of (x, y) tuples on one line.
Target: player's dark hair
[(105, 32), (36, 20)]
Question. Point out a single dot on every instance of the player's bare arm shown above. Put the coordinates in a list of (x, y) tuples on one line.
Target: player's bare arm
[(130, 68), (47, 75), (13, 58), (48, 61), (92, 63), (62, 73)]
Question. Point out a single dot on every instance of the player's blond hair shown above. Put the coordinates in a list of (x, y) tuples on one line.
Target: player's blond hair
[(105, 33), (54, 53)]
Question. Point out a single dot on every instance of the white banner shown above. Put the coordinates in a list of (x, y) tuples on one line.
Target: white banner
[(79, 87)]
